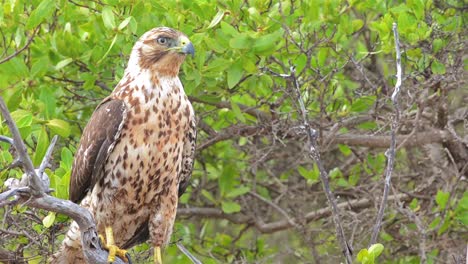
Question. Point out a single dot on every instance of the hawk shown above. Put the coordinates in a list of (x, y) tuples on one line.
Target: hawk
[(136, 154)]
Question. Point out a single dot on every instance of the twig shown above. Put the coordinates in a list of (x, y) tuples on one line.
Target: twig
[(314, 153), (14, 54), (422, 231), (390, 153), (6, 139), (276, 207), (188, 254), (48, 155)]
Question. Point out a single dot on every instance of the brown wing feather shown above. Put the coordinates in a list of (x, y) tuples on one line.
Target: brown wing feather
[(97, 141), (188, 157)]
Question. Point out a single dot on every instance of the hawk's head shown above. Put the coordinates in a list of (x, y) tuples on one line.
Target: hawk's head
[(162, 50)]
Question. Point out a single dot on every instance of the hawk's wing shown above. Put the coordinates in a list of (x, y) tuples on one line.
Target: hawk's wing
[(97, 141), (188, 157)]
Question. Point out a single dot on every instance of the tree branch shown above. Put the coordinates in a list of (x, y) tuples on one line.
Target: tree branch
[(280, 225), (34, 195), (350, 139), (14, 54), (314, 154), (390, 153)]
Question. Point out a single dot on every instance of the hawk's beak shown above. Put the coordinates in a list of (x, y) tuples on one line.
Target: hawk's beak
[(186, 46)]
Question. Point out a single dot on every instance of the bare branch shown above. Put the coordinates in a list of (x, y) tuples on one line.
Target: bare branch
[(314, 154), (14, 54), (188, 254), (6, 139), (48, 155), (34, 195), (264, 116), (267, 228), (350, 139), (10, 257), (390, 153), (34, 182)]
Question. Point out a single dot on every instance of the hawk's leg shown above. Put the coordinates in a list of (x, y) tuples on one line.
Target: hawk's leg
[(157, 255), (109, 244)]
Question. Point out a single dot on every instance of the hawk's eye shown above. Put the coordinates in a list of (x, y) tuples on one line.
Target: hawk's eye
[(162, 40)]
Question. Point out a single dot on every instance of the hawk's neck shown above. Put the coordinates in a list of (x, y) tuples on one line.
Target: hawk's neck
[(145, 85)]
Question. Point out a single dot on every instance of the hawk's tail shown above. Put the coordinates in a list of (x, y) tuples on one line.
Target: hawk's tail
[(70, 252)]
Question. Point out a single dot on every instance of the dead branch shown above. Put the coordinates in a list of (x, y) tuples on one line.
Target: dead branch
[(314, 154), (350, 139), (280, 225), (390, 153), (10, 257), (33, 192)]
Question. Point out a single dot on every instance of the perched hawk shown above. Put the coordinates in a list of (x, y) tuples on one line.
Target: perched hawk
[(136, 154)]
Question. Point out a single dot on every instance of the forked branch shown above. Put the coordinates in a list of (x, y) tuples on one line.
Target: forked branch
[(33, 189)]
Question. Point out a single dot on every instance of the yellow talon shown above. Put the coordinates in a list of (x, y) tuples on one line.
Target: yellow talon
[(157, 256), (111, 247)]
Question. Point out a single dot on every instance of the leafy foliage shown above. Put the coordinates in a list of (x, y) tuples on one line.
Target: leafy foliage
[(60, 58)]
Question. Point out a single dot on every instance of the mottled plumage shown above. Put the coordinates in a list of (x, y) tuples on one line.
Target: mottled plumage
[(136, 153)]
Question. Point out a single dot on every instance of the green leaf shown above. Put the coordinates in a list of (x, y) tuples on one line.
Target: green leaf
[(216, 19), (230, 207), (234, 74), (242, 41), (41, 147), (238, 192), (63, 63), (124, 23), (59, 127), (208, 196), (437, 44), (66, 159), (386, 236), (266, 44), (345, 150), (108, 17), (109, 49), (442, 199), (42, 11), (375, 250), (48, 221), (363, 103), (335, 173), (22, 118), (445, 225), (310, 175), (40, 67), (434, 223), (357, 24), (362, 255), (437, 67), (237, 112), (228, 29)]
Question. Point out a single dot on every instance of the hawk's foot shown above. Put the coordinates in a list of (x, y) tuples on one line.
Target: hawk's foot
[(157, 255), (109, 244)]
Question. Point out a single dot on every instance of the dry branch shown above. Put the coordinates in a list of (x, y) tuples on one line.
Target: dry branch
[(314, 154), (34, 194), (280, 225), (350, 139), (390, 153)]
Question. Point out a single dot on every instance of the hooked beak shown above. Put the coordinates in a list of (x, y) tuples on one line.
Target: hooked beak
[(185, 46)]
